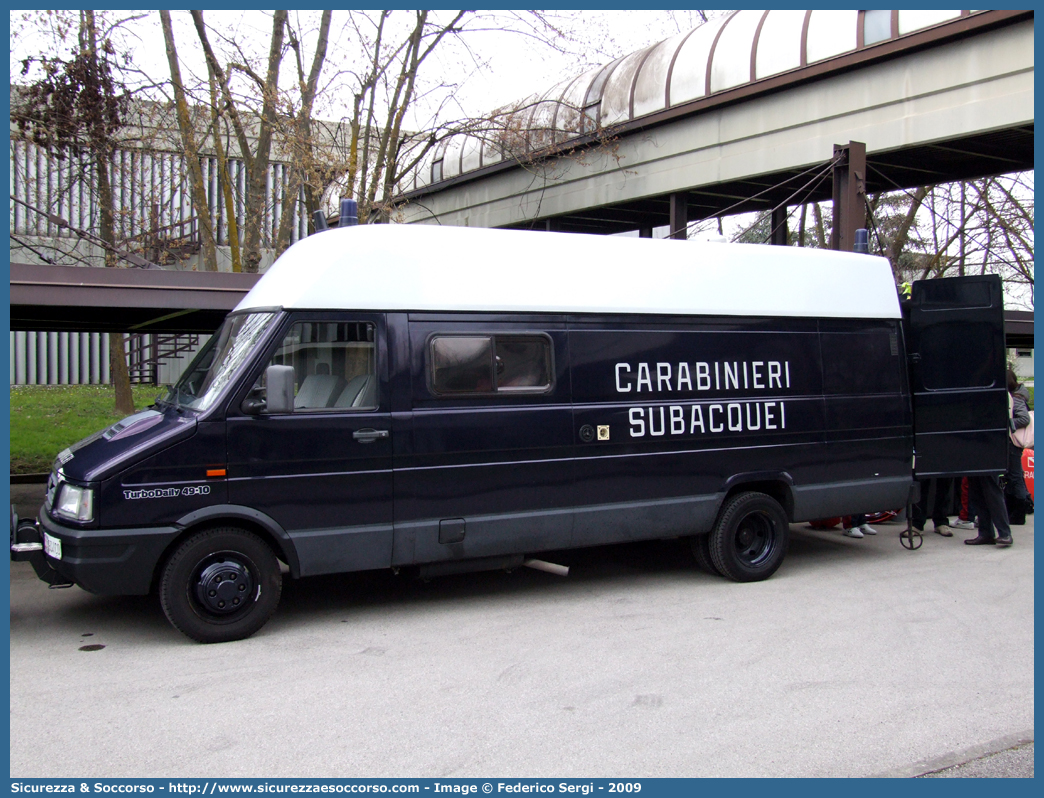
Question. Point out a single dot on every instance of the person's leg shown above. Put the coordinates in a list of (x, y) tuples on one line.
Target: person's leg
[(920, 508), (859, 524), (994, 499), (977, 489), (967, 517), (941, 506), (853, 524)]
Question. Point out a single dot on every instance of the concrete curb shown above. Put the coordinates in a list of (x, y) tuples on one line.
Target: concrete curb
[(960, 757)]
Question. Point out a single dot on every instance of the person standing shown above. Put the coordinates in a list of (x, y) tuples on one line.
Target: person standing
[(857, 527), (935, 499), (986, 494), (1018, 498), (966, 516)]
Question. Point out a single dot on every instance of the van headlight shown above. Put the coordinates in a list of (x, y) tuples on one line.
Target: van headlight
[(75, 503)]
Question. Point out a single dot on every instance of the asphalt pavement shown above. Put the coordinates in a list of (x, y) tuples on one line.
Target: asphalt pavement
[(858, 658)]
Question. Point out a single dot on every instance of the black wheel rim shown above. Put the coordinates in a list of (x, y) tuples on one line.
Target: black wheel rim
[(754, 539), (224, 587)]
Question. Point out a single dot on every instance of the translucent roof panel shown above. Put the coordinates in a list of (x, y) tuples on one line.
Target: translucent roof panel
[(731, 66), (567, 119), (451, 160), (877, 26), (543, 119), (650, 90), (594, 91), (668, 74), (915, 20), (779, 46), (689, 75), (616, 97), (470, 154), (439, 150), (492, 152), (831, 33), (515, 137)]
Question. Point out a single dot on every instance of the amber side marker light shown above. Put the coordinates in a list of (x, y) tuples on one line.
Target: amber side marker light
[(216, 472)]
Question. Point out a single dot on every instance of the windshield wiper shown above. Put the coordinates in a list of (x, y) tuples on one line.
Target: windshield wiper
[(176, 404)]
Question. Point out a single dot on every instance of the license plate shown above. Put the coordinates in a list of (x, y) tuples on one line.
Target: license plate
[(52, 546)]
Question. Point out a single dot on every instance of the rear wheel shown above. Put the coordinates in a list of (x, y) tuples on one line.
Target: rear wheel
[(701, 553), (750, 539), (220, 585)]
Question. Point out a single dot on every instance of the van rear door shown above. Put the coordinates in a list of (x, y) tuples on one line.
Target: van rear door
[(955, 345)]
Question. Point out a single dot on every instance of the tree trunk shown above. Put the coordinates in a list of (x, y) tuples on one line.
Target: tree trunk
[(303, 171), (118, 372), (817, 214), (191, 149), (257, 166), (102, 150), (225, 177)]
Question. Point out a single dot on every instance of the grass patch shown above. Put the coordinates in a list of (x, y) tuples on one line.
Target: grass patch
[(47, 418)]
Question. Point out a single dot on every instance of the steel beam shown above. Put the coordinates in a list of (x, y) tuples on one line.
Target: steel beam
[(849, 183)]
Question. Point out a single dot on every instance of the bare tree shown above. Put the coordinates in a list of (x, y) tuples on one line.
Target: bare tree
[(191, 147), (79, 106), (256, 158), (301, 145), (980, 226)]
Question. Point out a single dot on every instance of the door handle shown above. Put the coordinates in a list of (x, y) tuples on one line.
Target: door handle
[(369, 435)]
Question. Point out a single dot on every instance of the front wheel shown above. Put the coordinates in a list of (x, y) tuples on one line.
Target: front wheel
[(750, 539), (220, 585)]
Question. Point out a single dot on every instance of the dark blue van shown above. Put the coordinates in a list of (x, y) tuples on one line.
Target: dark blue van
[(456, 399)]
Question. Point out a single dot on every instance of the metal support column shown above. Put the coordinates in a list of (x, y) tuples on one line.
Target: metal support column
[(849, 176), (779, 226), (679, 216), (644, 232)]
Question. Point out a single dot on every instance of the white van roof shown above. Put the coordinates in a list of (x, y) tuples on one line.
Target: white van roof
[(395, 267)]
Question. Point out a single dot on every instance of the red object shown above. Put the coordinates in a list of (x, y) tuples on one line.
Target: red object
[(1027, 469), (824, 523), (882, 517)]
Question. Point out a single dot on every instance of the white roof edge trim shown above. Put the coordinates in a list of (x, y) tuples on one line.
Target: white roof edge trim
[(429, 268)]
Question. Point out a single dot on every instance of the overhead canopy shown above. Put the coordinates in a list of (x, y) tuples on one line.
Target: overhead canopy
[(741, 114), (85, 299)]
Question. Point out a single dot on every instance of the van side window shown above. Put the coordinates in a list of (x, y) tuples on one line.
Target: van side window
[(490, 364), (335, 365)]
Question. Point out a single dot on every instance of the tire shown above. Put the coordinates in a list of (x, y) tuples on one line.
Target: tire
[(750, 539), (219, 585), (701, 553)]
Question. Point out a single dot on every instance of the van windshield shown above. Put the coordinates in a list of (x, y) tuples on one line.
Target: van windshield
[(219, 360)]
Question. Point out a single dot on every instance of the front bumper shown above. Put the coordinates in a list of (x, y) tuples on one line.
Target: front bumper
[(113, 562), (27, 546)]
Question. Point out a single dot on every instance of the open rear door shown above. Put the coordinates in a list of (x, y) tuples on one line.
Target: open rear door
[(955, 343)]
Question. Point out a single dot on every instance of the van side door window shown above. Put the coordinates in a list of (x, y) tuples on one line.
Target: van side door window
[(490, 364), (335, 365)]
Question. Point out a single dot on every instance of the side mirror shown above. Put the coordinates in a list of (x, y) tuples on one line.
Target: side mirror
[(280, 382), (277, 397)]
